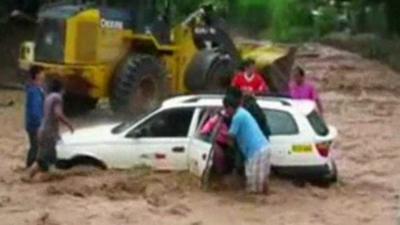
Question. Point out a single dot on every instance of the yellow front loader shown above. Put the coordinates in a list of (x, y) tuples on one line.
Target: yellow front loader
[(134, 57)]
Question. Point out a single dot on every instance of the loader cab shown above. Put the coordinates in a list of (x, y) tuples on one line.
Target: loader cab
[(64, 31), (151, 17), (50, 39)]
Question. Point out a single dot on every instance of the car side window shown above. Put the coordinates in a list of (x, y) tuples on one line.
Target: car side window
[(317, 123), (281, 122), (168, 123)]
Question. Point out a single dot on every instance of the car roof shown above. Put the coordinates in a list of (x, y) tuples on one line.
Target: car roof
[(303, 106)]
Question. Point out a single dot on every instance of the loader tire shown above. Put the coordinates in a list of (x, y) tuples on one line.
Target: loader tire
[(209, 72), (140, 84)]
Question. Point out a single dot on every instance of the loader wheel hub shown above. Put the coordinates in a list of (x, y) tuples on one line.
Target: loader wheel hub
[(145, 94)]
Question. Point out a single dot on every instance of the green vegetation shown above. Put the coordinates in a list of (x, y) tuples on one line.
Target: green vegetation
[(282, 20), (291, 20)]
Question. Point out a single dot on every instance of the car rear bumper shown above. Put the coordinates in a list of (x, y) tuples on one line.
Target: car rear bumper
[(308, 172)]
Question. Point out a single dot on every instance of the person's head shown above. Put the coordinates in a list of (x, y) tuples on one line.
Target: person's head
[(55, 86), (231, 104), (36, 74), (234, 92), (299, 75), (241, 67), (250, 66), (248, 100)]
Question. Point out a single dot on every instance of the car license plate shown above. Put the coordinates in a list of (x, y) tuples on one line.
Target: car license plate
[(301, 148)]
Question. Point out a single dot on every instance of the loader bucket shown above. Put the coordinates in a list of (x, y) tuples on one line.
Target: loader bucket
[(275, 62)]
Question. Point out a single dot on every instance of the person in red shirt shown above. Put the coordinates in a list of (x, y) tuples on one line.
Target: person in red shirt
[(249, 81)]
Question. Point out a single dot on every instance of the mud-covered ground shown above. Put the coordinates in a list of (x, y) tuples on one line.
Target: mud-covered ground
[(361, 99)]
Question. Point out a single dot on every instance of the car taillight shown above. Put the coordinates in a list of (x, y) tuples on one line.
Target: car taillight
[(323, 148)]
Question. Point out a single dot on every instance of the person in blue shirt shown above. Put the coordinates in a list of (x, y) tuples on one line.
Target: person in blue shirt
[(34, 110), (252, 143)]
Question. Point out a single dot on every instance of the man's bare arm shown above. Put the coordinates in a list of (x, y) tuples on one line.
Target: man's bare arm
[(62, 118)]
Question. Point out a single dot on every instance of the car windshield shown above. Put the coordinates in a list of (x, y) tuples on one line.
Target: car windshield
[(317, 123), (124, 126)]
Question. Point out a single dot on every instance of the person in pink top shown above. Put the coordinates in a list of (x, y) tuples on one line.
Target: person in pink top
[(299, 88), (220, 161), (208, 127)]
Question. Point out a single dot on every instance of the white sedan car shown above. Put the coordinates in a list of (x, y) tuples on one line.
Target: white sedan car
[(169, 139)]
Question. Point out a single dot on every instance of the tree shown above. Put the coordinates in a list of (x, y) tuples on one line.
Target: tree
[(392, 15)]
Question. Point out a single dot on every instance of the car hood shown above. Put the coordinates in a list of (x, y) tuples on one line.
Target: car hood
[(89, 135)]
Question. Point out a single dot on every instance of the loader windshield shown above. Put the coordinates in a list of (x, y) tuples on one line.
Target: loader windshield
[(60, 12), (143, 12)]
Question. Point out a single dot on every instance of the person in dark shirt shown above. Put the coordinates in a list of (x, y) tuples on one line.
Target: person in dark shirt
[(249, 102), (33, 111), (251, 105)]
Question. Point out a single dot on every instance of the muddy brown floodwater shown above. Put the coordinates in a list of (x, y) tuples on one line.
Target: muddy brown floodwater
[(361, 99)]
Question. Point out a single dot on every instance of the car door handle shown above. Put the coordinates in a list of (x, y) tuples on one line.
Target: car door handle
[(178, 149)]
